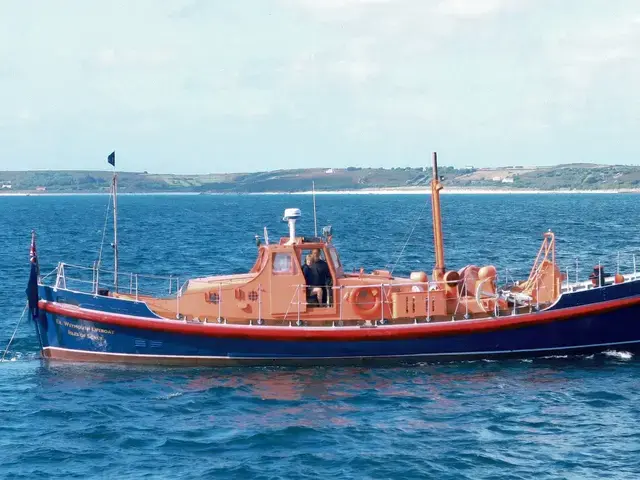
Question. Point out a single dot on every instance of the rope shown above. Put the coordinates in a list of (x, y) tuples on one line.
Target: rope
[(14, 332), (415, 224), (104, 230)]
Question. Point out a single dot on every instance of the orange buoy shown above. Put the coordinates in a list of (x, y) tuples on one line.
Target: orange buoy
[(487, 275), (420, 278), (451, 280)]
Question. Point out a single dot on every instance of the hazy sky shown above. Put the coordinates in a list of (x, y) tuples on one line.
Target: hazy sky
[(197, 86)]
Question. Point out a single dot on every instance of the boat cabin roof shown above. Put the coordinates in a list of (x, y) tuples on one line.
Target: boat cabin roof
[(301, 244), (302, 240)]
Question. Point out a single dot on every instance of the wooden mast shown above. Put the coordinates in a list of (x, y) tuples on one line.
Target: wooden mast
[(436, 186)]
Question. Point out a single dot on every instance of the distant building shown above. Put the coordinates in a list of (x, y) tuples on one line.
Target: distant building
[(41, 189), (469, 167), (6, 186), (508, 180), (497, 179), (329, 171)]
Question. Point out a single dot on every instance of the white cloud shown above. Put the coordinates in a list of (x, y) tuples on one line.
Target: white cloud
[(325, 5), (132, 58), (474, 8)]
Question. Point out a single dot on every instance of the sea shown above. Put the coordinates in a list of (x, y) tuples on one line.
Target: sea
[(574, 417)]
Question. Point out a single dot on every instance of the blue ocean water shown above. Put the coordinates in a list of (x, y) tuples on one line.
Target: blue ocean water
[(574, 417)]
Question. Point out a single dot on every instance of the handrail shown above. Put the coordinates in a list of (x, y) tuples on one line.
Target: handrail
[(63, 269), (386, 289), (55, 270), (73, 277), (103, 270), (291, 302), (77, 279)]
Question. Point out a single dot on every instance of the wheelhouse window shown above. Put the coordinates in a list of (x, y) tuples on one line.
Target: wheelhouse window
[(283, 264), (337, 265), (335, 258)]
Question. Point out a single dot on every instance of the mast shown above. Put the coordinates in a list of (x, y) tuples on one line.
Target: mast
[(438, 244), (114, 186), (115, 231), (315, 218)]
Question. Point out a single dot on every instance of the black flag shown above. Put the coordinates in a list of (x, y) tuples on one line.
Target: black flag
[(32, 286), (112, 159)]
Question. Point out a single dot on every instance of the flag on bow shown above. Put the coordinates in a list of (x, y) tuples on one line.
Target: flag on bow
[(112, 159), (32, 286)]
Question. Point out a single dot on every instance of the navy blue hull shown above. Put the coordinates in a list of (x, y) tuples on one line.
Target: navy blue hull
[(70, 338)]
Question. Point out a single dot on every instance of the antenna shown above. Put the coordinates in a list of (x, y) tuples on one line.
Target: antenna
[(315, 218)]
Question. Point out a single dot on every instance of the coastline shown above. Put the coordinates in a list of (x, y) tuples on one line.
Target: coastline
[(89, 194), (368, 191), (452, 191)]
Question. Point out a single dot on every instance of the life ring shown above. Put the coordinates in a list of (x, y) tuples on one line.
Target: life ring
[(366, 309)]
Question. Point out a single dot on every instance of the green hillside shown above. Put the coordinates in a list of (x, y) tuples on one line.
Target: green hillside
[(563, 177)]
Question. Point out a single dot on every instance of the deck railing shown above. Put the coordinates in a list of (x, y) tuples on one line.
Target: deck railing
[(93, 280), (617, 259), (96, 281), (339, 293)]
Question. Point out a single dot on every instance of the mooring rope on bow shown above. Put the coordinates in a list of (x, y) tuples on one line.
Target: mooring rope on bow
[(14, 332)]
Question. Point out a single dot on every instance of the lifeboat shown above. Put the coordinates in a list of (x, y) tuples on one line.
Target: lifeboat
[(297, 305)]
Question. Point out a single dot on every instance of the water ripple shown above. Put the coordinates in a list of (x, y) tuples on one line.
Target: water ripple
[(560, 417)]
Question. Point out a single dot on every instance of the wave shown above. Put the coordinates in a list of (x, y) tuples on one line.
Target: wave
[(620, 355)]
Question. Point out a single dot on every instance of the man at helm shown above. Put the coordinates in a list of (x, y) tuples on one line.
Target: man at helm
[(319, 272)]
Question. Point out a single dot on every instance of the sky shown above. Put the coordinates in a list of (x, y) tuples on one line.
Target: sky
[(213, 86)]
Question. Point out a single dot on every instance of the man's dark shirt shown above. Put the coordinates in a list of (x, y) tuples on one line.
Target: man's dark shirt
[(319, 274)]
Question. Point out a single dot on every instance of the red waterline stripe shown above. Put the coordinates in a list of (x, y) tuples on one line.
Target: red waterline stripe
[(387, 332)]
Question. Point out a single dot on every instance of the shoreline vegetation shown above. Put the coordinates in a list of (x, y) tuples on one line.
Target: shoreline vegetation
[(571, 178), (387, 191)]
